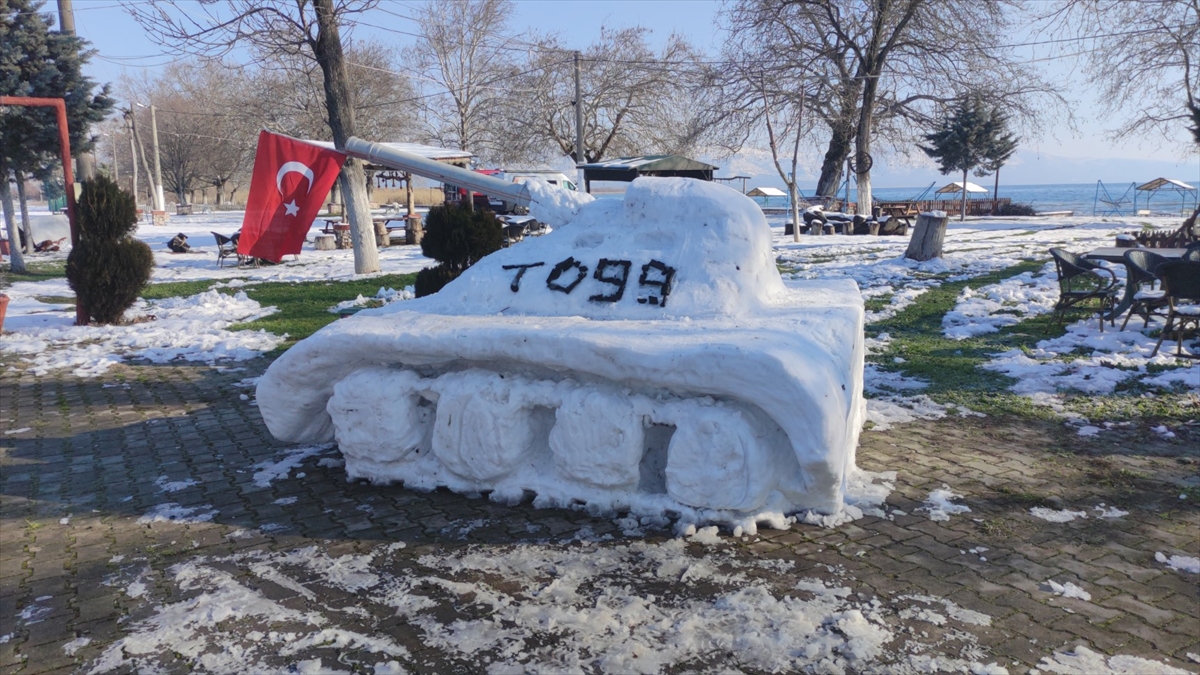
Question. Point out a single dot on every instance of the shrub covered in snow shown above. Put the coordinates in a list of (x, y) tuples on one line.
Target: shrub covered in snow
[(109, 268), (456, 237)]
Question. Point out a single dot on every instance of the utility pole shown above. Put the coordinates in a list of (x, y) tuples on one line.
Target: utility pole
[(579, 158), (66, 23), (132, 154), (160, 204)]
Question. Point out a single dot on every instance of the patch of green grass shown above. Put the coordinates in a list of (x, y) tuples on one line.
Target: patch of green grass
[(55, 299), (952, 366), (34, 271), (304, 307), (879, 302), (179, 289)]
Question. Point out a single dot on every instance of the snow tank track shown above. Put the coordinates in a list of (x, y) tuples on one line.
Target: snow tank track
[(484, 430), (701, 383)]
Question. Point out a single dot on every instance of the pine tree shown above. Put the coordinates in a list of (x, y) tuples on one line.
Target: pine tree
[(40, 62), (961, 143), (1001, 145)]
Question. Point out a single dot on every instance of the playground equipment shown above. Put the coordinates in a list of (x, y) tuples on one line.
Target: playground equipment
[(1113, 206)]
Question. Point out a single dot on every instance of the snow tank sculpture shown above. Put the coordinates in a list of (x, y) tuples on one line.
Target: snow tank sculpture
[(646, 355)]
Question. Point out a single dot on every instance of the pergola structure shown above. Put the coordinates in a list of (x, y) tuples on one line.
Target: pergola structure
[(1163, 185), (625, 169)]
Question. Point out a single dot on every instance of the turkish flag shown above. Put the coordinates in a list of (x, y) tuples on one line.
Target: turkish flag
[(290, 181)]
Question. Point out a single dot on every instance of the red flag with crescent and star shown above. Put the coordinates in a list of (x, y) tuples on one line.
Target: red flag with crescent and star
[(287, 188)]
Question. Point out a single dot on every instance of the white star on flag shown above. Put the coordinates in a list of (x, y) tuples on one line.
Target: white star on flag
[(290, 208)]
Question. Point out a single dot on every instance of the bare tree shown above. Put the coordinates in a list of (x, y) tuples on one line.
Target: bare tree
[(289, 96), (1141, 56), (308, 28), (634, 100), (892, 65), (465, 60)]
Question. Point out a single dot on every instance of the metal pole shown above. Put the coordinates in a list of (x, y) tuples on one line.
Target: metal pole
[(64, 140), (112, 138), (132, 155), (160, 204), (579, 158)]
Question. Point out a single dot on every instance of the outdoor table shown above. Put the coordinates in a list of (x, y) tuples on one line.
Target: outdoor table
[(1116, 254)]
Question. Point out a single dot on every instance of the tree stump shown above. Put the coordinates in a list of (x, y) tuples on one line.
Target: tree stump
[(927, 237), (324, 242)]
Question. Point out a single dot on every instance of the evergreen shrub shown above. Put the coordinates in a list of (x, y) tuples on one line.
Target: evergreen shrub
[(1015, 209), (109, 268), (456, 237)]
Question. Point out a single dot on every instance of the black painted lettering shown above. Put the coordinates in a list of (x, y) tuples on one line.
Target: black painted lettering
[(516, 282), (615, 272), (656, 276), (560, 269)]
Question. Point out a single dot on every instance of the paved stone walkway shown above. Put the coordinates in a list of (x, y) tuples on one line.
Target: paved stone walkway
[(78, 571)]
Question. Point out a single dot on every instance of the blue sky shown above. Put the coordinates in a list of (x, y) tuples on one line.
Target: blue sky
[(1060, 156)]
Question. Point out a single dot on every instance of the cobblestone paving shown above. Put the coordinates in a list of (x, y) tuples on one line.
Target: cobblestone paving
[(93, 460)]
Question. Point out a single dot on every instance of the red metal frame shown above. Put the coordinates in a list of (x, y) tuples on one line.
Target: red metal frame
[(60, 111)]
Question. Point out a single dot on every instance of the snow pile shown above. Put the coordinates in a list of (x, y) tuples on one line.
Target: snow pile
[(1007, 303), (646, 358), (639, 608), (385, 296), (940, 506), (1108, 359), (553, 205), (1182, 563), (1053, 516), (1066, 590), (174, 513), (187, 329), (1083, 661)]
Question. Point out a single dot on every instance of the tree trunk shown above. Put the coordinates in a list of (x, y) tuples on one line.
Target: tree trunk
[(927, 237), (996, 192), (327, 49), (862, 155), (962, 215), (835, 159), (137, 139), (794, 202), (16, 261), (25, 224)]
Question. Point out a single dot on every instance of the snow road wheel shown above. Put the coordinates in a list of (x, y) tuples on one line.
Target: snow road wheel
[(377, 415), (597, 438), (719, 459), (483, 428)]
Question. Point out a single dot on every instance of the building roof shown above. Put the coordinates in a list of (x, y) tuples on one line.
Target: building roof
[(766, 192), (956, 187), (651, 163), (1165, 183)]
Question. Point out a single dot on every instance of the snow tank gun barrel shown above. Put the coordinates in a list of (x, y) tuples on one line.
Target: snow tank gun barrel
[(378, 153)]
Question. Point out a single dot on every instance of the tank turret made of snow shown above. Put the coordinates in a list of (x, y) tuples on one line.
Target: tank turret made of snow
[(646, 355)]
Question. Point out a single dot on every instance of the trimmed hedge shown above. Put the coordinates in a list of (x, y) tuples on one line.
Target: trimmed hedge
[(109, 268)]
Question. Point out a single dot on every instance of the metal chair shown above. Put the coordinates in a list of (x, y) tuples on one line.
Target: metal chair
[(226, 248), (1141, 279), (1082, 281), (1181, 281)]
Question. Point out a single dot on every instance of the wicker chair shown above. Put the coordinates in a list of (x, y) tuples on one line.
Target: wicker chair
[(1192, 254), (1083, 284), (226, 248), (1141, 264), (1181, 281)]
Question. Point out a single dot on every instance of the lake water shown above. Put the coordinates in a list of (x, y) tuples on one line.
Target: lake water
[(1080, 198)]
